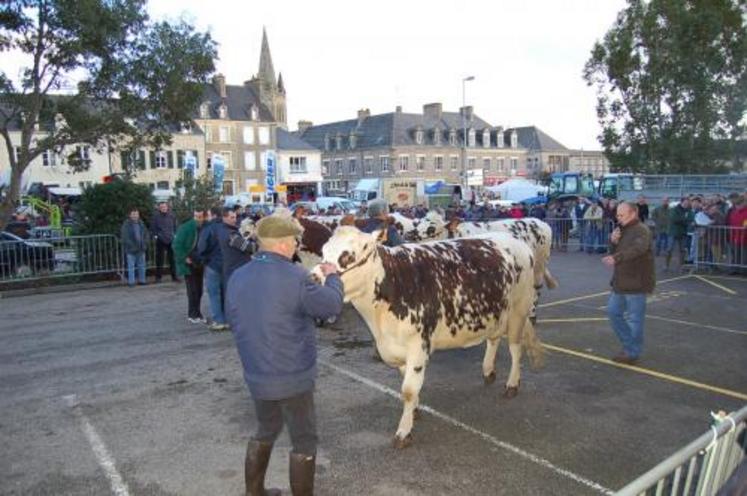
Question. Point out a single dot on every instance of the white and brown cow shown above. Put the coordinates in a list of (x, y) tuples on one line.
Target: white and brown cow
[(533, 232), (314, 236), (418, 298)]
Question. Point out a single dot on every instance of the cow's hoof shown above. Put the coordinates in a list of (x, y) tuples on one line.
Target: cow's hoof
[(533, 320), (402, 442), (511, 392), (490, 378)]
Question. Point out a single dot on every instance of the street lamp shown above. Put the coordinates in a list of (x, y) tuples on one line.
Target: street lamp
[(464, 130)]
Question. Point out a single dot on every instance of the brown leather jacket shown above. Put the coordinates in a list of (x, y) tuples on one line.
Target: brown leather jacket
[(634, 260)]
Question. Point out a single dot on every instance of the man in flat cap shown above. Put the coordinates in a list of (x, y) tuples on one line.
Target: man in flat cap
[(271, 306), (378, 218)]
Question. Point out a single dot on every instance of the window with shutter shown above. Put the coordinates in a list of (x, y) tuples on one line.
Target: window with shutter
[(170, 158)]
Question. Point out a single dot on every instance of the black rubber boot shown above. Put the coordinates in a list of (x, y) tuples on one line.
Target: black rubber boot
[(302, 468), (255, 467)]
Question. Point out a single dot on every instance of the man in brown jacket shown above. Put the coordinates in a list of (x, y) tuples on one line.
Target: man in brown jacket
[(632, 259)]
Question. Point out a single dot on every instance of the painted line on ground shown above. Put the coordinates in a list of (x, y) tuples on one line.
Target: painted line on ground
[(103, 457), (729, 278), (602, 293), (717, 285), (461, 425), (648, 316), (653, 373)]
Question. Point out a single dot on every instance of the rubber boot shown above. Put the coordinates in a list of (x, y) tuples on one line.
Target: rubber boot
[(302, 468), (255, 467)]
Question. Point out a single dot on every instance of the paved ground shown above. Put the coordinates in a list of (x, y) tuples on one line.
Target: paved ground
[(111, 387)]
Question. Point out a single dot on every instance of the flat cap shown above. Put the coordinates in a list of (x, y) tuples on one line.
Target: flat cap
[(274, 226), (377, 207)]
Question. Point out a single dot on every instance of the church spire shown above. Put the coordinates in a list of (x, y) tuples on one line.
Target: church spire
[(266, 70), (281, 86)]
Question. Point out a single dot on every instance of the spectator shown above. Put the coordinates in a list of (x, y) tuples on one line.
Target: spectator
[(643, 213), (738, 235), (234, 248), (188, 264), (593, 218), (276, 339), (661, 226), (633, 278), (19, 225), (164, 227), (378, 218), (516, 212), (678, 223), (578, 213), (134, 237), (208, 251)]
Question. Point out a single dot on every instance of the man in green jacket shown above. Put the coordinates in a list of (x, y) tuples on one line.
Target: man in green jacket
[(679, 218), (188, 265)]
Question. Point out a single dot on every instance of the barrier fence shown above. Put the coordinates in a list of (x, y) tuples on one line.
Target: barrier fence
[(64, 256), (702, 467)]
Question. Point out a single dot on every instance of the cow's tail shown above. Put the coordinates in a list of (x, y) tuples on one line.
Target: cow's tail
[(550, 281), (532, 345)]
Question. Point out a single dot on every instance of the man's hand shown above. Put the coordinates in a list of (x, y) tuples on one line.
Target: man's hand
[(188, 261), (327, 269), (609, 261), (615, 236)]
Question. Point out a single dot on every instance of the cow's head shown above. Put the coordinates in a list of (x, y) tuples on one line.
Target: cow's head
[(248, 228), (352, 252), (432, 226)]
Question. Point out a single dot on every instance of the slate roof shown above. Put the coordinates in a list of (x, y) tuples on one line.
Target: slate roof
[(534, 138), (291, 141), (238, 100), (396, 129)]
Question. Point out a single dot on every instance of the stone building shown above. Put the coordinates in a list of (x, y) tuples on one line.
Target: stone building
[(430, 146), (544, 153), (592, 162)]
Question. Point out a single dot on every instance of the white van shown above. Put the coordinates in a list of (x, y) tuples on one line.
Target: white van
[(344, 204)]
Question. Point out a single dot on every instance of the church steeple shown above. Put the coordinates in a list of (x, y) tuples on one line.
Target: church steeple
[(266, 70), (281, 86)]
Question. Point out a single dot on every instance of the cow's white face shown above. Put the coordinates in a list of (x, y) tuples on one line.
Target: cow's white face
[(248, 228), (433, 226), (351, 251)]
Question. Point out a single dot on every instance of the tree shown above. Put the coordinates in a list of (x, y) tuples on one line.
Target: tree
[(136, 79), (671, 79), (194, 194), (104, 207)]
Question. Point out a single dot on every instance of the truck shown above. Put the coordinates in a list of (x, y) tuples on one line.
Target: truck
[(401, 191)]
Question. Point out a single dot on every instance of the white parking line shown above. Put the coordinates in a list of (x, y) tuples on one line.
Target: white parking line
[(487, 437), (104, 459)]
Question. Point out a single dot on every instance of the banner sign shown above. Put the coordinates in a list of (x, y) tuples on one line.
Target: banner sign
[(270, 172), (219, 169)]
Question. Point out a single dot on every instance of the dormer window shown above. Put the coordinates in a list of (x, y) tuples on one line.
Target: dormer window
[(204, 111), (419, 136), (338, 142), (353, 140), (499, 138), (326, 142), (186, 127), (223, 111), (253, 112), (471, 138), (514, 140), (437, 137), (486, 139), (453, 137)]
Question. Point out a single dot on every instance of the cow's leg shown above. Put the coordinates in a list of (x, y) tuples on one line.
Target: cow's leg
[(416, 412), (535, 303), (413, 382), (488, 362), (515, 332)]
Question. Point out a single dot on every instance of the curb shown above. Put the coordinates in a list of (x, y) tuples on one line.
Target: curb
[(14, 293)]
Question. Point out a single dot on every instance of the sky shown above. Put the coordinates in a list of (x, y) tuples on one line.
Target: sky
[(338, 56)]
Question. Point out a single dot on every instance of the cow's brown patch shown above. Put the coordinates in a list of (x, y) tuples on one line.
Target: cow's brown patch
[(315, 235)]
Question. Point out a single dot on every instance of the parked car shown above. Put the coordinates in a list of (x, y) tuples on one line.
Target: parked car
[(343, 204), (20, 257), (254, 209)]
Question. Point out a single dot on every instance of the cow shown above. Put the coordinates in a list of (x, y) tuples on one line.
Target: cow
[(314, 236), (534, 232), (419, 298)]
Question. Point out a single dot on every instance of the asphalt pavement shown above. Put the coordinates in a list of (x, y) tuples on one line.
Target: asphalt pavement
[(112, 390)]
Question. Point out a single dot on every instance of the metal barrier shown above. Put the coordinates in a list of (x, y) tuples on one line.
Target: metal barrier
[(721, 247), (34, 259), (591, 236), (700, 468)]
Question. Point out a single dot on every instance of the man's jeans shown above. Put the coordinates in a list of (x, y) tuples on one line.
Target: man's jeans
[(297, 413), (215, 294), (662, 243), (629, 330), (133, 261)]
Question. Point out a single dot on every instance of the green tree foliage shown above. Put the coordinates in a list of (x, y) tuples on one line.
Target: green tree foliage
[(194, 194), (671, 79), (104, 207), (135, 80)]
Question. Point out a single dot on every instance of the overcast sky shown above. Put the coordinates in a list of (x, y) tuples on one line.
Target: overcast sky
[(338, 56)]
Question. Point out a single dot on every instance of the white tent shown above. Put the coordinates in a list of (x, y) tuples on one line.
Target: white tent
[(516, 190)]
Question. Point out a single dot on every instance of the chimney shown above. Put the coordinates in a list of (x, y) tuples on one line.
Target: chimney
[(466, 112), (363, 114), (432, 110), (303, 126), (398, 109), (219, 81)]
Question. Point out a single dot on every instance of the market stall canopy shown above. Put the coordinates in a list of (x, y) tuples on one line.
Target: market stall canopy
[(516, 190)]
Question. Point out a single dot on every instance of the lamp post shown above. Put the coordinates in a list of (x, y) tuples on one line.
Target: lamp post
[(464, 131)]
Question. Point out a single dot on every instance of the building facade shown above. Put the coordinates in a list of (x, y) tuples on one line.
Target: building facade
[(432, 146), (592, 162), (544, 153), (299, 170)]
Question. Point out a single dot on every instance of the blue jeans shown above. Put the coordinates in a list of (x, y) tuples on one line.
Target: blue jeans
[(662, 243), (135, 260), (629, 330), (215, 294)]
